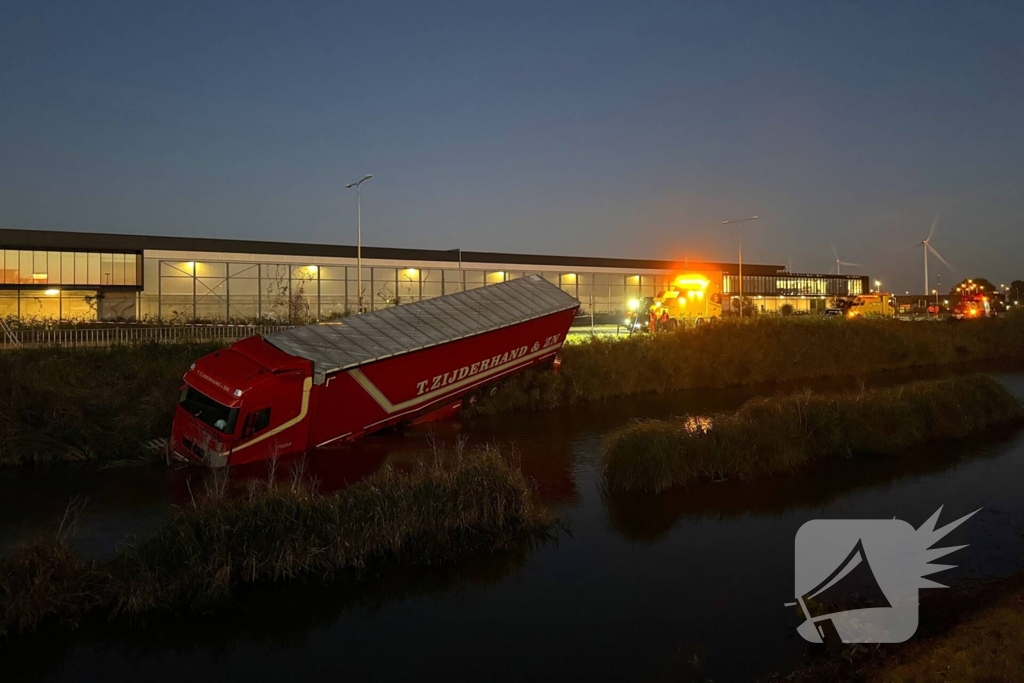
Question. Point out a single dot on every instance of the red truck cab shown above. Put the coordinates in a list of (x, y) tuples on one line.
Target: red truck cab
[(239, 397)]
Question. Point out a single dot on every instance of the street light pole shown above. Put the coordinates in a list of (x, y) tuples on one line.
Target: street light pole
[(359, 243), (740, 233)]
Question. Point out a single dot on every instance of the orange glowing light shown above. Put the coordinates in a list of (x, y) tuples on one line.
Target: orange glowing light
[(691, 282)]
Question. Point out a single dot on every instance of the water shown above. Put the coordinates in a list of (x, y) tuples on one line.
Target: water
[(686, 585)]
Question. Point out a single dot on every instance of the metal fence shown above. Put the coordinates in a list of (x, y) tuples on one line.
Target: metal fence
[(109, 335)]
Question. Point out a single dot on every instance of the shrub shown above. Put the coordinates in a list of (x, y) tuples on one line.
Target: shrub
[(768, 349), (770, 435)]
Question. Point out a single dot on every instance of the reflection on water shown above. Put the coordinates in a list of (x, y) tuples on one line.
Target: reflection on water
[(690, 582), (266, 617)]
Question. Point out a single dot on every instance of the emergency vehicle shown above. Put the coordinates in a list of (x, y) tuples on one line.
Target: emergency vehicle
[(685, 303), (972, 306), (876, 304)]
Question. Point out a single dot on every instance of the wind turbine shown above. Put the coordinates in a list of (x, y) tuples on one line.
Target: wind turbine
[(837, 268), (927, 244)]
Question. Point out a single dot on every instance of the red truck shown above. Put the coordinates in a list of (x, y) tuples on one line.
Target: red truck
[(297, 390)]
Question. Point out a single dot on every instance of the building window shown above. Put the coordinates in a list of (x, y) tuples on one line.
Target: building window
[(24, 267)]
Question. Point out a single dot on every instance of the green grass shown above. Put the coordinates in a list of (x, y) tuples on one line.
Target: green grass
[(780, 434), (89, 403), (758, 351), (471, 502), (106, 403), (967, 633)]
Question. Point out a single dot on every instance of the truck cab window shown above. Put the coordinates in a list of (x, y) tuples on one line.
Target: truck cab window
[(217, 415)]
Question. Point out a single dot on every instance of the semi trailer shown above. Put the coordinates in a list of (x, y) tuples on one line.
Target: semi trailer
[(300, 389)]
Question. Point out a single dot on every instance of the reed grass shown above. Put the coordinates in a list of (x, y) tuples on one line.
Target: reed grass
[(731, 353), (268, 532), (107, 403), (77, 404), (780, 434)]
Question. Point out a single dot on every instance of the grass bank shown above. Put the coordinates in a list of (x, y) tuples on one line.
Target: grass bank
[(966, 634), (276, 532), (758, 351), (780, 434), (89, 403), (106, 403)]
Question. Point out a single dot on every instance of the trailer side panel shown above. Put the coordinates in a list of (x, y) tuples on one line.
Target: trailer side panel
[(398, 389)]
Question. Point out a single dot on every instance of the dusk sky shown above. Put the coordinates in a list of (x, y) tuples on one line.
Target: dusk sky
[(584, 128)]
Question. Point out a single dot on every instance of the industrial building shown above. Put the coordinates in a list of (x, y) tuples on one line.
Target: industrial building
[(95, 276)]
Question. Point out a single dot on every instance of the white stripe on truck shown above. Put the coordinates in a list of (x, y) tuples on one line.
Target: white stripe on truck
[(390, 408)]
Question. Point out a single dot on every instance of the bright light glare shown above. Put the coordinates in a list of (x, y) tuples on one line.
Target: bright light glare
[(690, 281), (52, 292), (634, 304)]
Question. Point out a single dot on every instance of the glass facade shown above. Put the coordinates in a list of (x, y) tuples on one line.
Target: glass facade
[(106, 285), (243, 291), (34, 304), (788, 284), (68, 268)]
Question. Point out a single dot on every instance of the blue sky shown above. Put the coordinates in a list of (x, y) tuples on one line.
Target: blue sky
[(628, 129)]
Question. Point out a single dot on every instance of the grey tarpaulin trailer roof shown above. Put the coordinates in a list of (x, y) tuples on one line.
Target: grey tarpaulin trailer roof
[(374, 336)]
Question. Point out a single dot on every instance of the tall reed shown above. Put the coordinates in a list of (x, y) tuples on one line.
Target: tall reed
[(772, 435), (98, 403), (473, 502), (89, 403), (762, 350)]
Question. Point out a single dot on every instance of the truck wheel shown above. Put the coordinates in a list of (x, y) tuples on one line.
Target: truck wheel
[(700, 321)]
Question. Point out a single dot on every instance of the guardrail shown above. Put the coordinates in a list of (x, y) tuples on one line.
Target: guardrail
[(102, 335)]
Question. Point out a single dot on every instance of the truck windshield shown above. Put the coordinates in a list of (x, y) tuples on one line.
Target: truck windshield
[(217, 415)]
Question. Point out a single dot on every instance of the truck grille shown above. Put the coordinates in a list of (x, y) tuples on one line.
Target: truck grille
[(194, 447)]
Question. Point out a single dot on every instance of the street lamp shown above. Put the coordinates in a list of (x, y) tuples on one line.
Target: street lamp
[(359, 243), (740, 223)]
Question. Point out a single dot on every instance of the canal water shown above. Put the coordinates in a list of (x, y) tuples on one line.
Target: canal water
[(685, 585)]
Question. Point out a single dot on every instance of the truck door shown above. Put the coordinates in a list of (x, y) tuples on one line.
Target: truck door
[(255, 422)]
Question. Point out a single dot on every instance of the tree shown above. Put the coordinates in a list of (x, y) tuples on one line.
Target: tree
[(1016, 290), (786, 309), (981, 283)]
